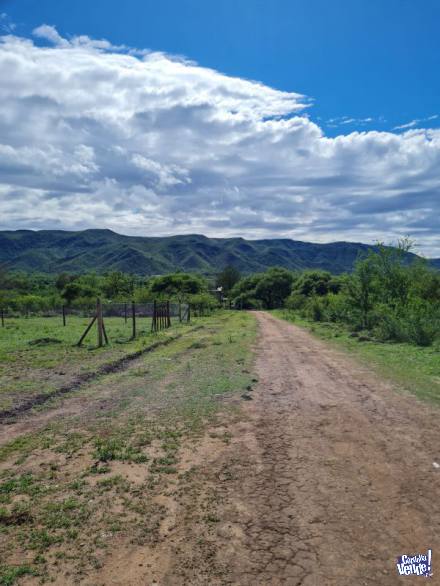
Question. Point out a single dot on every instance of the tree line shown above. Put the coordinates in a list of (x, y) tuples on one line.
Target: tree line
[(34, 293), (389, 295)]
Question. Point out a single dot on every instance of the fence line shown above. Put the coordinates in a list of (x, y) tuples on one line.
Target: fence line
[(160, 312)]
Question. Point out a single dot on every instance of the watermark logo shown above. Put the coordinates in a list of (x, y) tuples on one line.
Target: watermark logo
[(415, 565)]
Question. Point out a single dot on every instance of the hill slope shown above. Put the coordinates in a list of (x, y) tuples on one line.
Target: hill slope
[(55, 251)]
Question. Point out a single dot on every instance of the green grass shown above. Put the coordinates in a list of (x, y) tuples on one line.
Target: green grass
[(9, 574), (412, 368), (65, 486), (30, 368)]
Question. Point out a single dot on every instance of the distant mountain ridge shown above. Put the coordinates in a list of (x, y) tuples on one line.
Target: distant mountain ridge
[(56, 251)]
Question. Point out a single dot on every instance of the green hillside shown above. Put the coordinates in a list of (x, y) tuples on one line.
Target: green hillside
[(55, 251)]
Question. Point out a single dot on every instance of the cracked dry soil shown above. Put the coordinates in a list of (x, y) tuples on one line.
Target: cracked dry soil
[(326, 479)]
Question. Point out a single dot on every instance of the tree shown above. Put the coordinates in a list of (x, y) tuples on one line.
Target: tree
[(4, 284), (228, 277), (117, 284), (84, 288), (178, 285), (274, 287), (314, 283), (63, 279), (361, 288)]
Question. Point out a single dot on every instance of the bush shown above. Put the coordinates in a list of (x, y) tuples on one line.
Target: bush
[(315, 309), (386, 325), (422, 323), (296, 301), (247, 301), (338, 308)]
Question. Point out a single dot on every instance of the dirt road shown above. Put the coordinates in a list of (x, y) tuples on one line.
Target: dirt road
[(328, 480), (319, 475)]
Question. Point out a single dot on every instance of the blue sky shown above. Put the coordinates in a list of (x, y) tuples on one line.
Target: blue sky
[(358, 59), (313, 120)]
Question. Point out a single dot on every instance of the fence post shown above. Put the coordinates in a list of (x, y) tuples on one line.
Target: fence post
[(99, 322), (133, 317), (3, 317), (180, 311), (189, 313), (87, 330), (153, 323), (64, 315), (168, 315)]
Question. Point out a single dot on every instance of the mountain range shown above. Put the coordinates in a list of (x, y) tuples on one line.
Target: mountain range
[(56, 251)]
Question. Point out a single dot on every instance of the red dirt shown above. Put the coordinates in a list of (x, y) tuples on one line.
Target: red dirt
[(328, 480)]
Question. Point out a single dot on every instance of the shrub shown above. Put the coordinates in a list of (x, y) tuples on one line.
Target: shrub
[(315, 309), (422, 323), (338, 308), (295, 301), (387, 325)]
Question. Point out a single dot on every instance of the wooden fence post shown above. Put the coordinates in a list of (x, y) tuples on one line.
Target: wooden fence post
[(180, 312), (99, 322), (64, 315), (87, 331), (153, 321), (133, 317)]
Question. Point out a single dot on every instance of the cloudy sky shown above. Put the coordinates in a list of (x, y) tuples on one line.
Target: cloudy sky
[(126, 136)]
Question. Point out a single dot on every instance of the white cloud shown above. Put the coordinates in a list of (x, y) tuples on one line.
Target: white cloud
[(416, 122), (50, 33), (146, 143)]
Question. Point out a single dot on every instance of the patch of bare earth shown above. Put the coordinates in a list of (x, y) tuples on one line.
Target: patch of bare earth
[(325, 480)]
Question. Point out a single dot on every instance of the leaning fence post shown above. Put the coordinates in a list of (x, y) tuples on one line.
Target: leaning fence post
[(87, 330), (99, 321), (64, 315), (133, 317)]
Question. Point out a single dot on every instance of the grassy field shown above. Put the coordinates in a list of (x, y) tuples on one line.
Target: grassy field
[(413, 368), (97, 473), (38, 354)]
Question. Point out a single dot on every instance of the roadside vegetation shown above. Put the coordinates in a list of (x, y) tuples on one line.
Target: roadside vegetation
[(387, 311), (384, 298)]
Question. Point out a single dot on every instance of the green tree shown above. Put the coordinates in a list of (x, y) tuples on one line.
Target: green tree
[(228, 277), (63, 279), (117, 284), (177, 285), (274, 287), (312, 283)]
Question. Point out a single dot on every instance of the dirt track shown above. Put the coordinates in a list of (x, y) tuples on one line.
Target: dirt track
[(336, 477), (330, 478)]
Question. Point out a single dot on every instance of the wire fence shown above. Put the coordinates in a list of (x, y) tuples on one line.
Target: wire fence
[(160, 313)]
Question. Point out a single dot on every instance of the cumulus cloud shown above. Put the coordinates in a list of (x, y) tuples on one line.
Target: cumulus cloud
[(145, 143)]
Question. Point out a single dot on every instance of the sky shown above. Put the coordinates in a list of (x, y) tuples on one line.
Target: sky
[(315, 120)]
